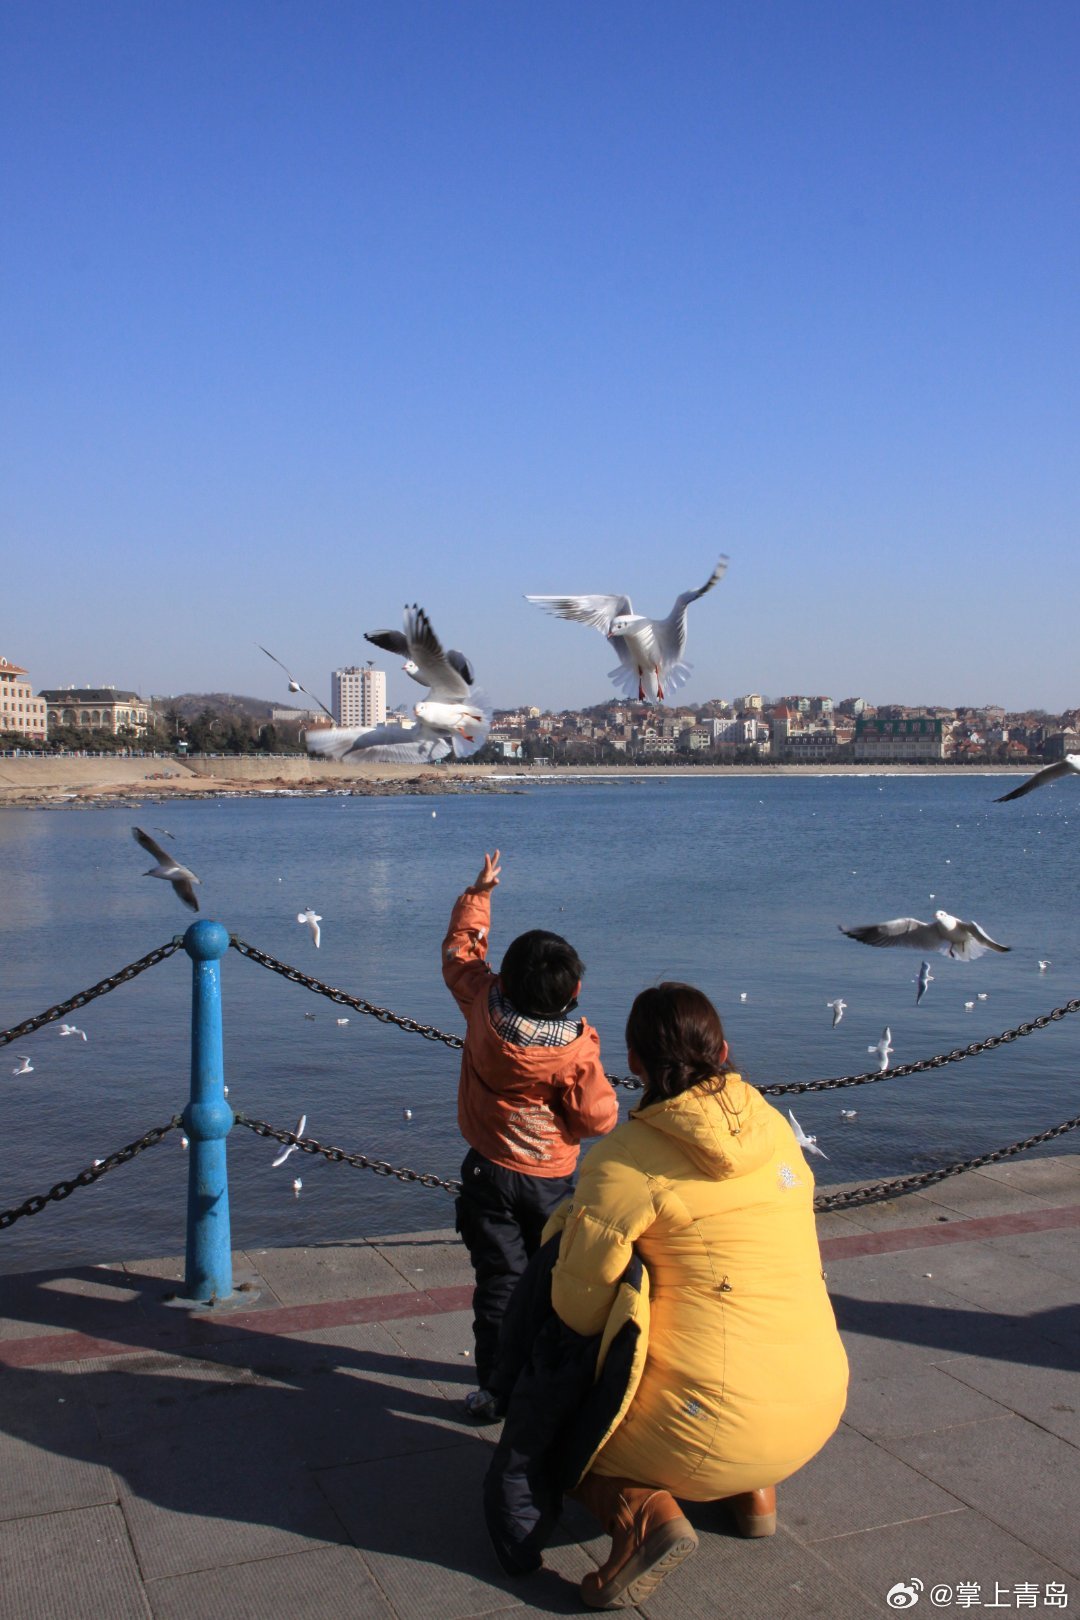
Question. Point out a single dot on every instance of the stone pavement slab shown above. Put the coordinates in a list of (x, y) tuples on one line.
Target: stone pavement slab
[(78, 1566), (1043, 1473), (312, 1585)]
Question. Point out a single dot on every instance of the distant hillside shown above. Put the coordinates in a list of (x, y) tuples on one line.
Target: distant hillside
[(191, 704)]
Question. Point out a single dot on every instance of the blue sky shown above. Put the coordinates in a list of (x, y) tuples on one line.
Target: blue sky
[(308, 310)]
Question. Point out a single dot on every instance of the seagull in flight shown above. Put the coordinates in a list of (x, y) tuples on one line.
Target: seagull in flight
[(839, 1008), (807, 1143), (452, 719), (883, 1048), (72, 1029), (394, 641), (964, 941), (1044, 964), (25, 1065), (925, 979), (292, 1147), (1069, 766), (650, 651), (313, 920), (169, 868), (294, 684)]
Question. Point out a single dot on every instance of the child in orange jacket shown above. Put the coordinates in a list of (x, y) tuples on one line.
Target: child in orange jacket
[(532, 1088)]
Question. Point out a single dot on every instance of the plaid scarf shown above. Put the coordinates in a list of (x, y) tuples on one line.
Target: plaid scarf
[(520, 1030)]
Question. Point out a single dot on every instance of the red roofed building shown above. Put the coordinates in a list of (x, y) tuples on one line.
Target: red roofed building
[(21, 713)]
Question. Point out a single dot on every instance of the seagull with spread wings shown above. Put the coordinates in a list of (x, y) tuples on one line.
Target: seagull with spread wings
[(963, 941), (394, 641), (650, 651), (1069, 766), (169, 868), (294, 684), (453, 718)]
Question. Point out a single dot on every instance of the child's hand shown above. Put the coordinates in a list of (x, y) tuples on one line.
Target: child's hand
[(489, 874)]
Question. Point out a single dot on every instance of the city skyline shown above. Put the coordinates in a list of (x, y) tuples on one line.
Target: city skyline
[(309, 315)]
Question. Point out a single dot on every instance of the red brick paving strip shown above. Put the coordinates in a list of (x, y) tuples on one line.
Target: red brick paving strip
[(204, 1330)]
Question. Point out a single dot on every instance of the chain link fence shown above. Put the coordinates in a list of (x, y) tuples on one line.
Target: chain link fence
[(869, 1193)]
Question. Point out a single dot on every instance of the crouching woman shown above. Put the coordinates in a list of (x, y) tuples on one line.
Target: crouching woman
[(745, 1377)]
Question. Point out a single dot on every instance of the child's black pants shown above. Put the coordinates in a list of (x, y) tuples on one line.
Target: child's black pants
[(500, 1215)]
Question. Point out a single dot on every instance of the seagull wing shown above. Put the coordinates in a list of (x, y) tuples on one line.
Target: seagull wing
[(317, 700), (458, 661), (277, 661), (595, 610), (151, 847), (425, 650), (1049, 773), (983, 940), (182, 885), (671, 632), (391, 641), (920, 936)]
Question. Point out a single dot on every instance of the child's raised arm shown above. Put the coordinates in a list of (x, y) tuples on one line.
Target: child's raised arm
[(464, 950)]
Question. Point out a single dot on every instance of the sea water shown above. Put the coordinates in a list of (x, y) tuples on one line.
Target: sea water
[(733, 884)]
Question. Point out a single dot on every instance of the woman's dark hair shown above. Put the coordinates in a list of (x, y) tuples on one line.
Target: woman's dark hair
[(540, 973), (676, 1033)]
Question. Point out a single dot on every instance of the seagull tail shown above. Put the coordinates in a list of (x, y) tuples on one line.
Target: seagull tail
[(478, 734)]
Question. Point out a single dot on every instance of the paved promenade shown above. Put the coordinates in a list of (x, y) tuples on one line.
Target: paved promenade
[(304, 1456)]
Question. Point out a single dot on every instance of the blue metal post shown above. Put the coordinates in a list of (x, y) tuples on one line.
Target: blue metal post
[(207, 1121)]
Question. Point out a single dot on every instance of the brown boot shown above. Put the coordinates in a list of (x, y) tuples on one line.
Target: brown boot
[(755, 1511), (649, 1537)]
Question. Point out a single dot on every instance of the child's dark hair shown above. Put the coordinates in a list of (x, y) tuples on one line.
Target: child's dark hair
[(677, 1035), (540, 973)]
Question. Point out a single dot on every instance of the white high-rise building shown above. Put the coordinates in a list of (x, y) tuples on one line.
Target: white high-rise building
[(358, 696)]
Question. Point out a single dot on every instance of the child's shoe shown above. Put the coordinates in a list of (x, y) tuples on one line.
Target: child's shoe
[(482, 1406)]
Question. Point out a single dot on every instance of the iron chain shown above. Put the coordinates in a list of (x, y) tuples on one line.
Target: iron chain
[(874, 1192), (360, 1161), (87, 1177), (431, 1033), (113, 982), (342, 997)]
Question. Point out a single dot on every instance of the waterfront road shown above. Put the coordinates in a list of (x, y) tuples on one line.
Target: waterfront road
[(304, 1455)]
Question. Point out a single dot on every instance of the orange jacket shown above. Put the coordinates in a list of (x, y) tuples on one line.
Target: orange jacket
[(523, 1107)]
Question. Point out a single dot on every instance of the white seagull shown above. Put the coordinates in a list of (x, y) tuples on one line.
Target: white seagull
[(965, 941), (849, 1113), (25, 1065), (1069, 766), (1043, 965), (883, 1048), (395, 642), (650, 651), (169, 868), (72, 1029), (839, 1008), (807, 1143), (453, 718), (925, 979), (291, 1147), (294, 684), (313, 920)]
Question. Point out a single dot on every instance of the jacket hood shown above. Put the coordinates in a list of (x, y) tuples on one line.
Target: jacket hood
[(725, 1132)]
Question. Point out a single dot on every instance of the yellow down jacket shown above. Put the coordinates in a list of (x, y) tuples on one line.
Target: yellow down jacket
[(745, 1376)]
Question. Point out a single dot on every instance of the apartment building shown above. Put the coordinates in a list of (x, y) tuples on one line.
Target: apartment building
[(21, 713), (358, 696)]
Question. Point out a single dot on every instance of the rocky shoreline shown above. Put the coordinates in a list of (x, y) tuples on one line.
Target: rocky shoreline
[(97, 781)]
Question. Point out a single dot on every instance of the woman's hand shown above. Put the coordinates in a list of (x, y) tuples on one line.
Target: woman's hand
[(489, 874)]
